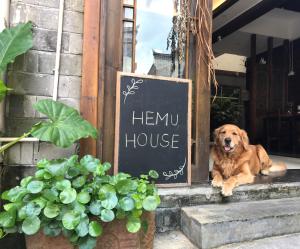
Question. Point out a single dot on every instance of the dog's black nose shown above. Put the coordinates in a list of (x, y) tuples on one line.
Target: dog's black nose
[(227, 140)]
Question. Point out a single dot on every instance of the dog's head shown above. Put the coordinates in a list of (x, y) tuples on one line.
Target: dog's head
[(229, 137)]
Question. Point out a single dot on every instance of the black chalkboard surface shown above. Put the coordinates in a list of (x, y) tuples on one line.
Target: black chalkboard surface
[(153, 127)]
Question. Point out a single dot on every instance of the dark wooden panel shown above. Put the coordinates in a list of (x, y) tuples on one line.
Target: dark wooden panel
[(113, 59), (200, 171), (253, 88)]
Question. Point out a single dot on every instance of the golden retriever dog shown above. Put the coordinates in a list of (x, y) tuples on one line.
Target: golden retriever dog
[(237, 162)]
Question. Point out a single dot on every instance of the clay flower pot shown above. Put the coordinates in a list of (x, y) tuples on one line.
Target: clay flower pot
[(115, 236)]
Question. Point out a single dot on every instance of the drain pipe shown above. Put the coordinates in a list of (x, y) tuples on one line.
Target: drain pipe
[(56, 69), (58, 49)]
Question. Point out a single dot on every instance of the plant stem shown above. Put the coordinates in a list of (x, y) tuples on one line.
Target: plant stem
[(8, 145)]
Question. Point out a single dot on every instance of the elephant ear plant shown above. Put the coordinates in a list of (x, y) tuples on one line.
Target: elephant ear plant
[(63, 127), (74, 197), (13, 42)]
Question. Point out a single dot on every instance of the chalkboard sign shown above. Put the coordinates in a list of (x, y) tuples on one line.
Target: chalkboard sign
[(153, 127)]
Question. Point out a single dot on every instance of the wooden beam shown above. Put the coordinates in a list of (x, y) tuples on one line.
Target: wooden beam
[(253, 89), (90, 72), (223, 7), (113, 63), (200, 170), (248, 16)]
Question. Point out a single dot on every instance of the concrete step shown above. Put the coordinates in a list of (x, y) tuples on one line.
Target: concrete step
[(172, 240), (173, 199), (210, 226), (291, 241)]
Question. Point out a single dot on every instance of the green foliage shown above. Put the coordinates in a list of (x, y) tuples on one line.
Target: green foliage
[(3, 90), (74, 198), (13, 42), (65, 126)]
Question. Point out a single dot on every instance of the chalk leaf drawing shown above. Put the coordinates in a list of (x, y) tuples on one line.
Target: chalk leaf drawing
[(131, 89), (176, 172)]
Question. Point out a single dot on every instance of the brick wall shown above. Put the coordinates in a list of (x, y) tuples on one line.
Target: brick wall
[(31, 76)]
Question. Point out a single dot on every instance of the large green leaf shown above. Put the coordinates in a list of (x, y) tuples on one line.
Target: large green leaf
[(65, 125), (13, 42)]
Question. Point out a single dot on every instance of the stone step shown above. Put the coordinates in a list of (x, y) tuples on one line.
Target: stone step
[(210, 226), (173, 199), (172, 240), (291, 241)]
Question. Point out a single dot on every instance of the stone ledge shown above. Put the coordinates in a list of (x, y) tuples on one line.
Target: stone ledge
[(209, 226)]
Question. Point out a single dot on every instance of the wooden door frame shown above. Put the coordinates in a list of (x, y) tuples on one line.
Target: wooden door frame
[(102, 58)]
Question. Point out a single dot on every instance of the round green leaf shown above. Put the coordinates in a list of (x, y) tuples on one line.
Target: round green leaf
[(106, 166), (125, 186), (149, 203), (133, 224), (35, 187), (63, 184), (79, 181), (25, 181), (95, 207), (83, 228), (31, 225), (78, 207), (126, 203), (32, 209), (83, 197), (107, 188), (51, 210), (90, 163), (110, 202), (107, 215), (68, 195), (41, 201), (7, 219), (14, 194), (1, 233), (95, 229), (153, 174), (50, 194), (70, 220)]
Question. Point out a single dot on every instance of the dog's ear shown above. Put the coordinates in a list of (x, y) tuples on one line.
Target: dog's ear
[(216, 134), (244, 139)]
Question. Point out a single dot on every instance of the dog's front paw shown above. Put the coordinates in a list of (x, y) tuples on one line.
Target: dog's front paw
[(227, 189), (217, 183)]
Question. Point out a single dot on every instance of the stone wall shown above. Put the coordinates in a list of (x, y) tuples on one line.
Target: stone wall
[(32, 75)]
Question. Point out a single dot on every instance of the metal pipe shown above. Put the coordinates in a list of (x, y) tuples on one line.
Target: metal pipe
[(58, 49)]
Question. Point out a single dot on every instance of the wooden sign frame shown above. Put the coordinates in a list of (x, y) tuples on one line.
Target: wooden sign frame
[(189, 122)]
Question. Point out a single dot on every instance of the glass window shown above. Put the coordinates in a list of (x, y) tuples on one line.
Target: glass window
[(128, 13), (154, 21), (127, 45)]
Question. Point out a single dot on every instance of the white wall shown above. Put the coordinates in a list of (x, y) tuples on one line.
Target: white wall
[(230, 62)]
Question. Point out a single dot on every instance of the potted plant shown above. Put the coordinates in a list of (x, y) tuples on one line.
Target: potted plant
[(77, 198)]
